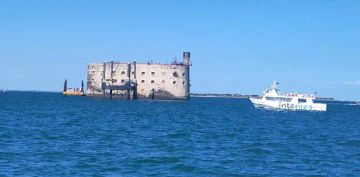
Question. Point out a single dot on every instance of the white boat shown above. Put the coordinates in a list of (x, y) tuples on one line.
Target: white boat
[(358, 102), (273, 98)]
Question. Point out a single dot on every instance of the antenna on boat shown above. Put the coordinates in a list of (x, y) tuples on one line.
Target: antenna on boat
[(275, 85)]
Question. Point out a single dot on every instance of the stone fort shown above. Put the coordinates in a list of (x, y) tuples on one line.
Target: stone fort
[(140, 80)]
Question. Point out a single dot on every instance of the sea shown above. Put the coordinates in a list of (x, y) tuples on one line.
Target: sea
[(47, 134)]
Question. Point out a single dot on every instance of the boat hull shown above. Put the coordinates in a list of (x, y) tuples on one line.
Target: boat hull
[(258, 102), (71, 93)]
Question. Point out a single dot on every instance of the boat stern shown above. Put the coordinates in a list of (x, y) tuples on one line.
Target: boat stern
[(319, 107)]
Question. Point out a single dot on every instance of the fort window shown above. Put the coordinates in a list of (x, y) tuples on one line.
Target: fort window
[(183, 74), (152, 81), (174, 82), (132, 72), (122, 81), (142, 81), (143, 73), (183, 82), (175, 74), (122, 72), (152, 73)]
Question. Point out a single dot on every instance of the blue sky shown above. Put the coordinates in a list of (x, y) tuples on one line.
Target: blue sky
[(236, 46)]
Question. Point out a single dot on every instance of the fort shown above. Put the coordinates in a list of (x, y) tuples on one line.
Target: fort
[(140, 80)]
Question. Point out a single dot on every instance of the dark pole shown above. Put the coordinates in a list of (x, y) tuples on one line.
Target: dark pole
[(128, 83), (65, 85), (135, 82), (103, 78), (153, 94), (82, 86), (111, 75)]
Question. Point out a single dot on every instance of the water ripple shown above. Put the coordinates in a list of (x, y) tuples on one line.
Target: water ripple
[(45, 134)]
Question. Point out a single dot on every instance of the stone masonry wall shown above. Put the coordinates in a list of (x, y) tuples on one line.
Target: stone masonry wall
[(168, 81)]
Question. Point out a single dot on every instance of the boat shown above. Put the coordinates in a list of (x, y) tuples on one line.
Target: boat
[(358, 102), (73, 91), (273, 98)]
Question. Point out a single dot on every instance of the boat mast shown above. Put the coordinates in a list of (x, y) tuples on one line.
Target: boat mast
[(275, 85)]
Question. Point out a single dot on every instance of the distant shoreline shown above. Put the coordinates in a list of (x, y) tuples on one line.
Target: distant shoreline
[(200, 95), (215, 95)]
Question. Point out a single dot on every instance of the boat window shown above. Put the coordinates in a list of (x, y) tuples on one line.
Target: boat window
[(270, 98), (286, 99), (302, 100)]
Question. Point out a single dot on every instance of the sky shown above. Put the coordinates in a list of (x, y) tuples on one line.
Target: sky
[(236, 46)]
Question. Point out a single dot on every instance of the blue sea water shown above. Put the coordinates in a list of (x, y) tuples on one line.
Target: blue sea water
[(46, 134)]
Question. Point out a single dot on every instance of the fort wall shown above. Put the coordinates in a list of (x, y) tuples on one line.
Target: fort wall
[(148, 81)]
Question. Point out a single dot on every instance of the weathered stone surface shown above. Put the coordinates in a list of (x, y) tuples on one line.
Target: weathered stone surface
[(158, 81)]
